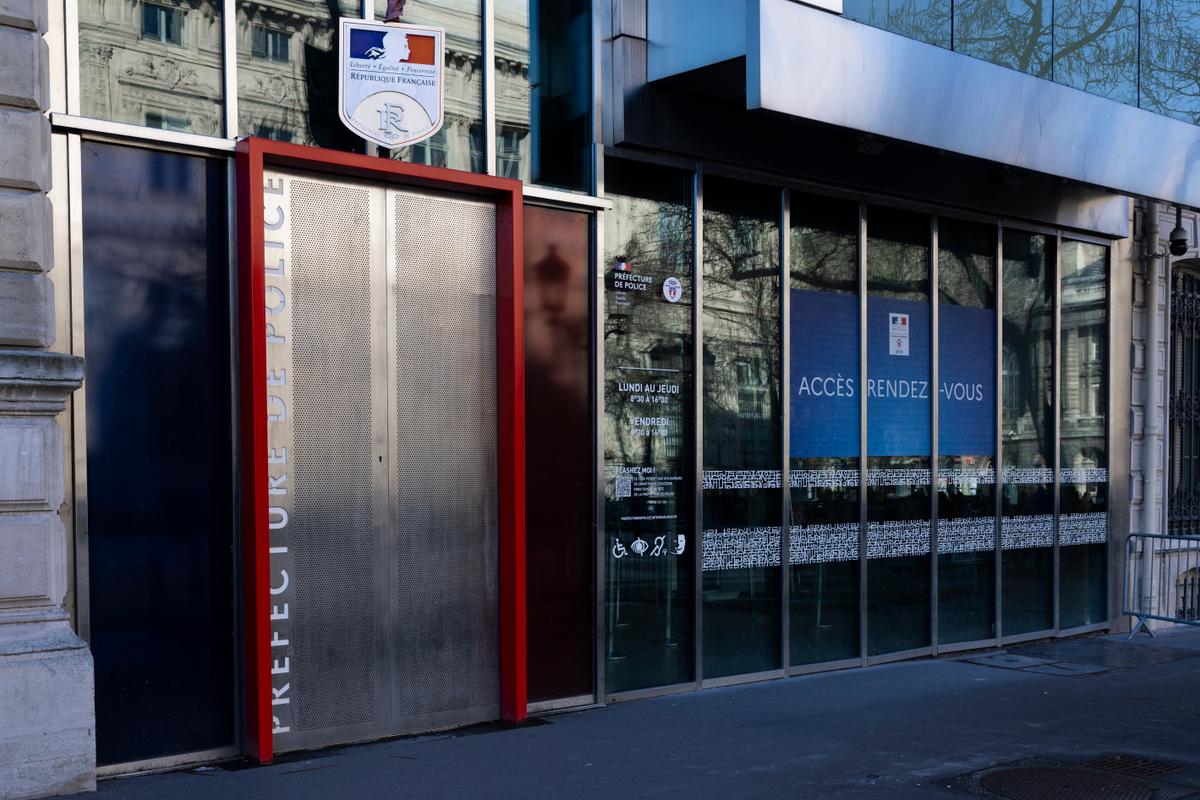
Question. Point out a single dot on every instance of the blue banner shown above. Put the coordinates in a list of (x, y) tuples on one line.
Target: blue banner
[(825, 391)]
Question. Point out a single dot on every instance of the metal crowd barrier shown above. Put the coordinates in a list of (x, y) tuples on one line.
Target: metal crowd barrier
[(1162, 580)]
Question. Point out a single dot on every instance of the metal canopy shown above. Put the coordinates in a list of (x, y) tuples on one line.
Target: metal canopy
[(819, 66)]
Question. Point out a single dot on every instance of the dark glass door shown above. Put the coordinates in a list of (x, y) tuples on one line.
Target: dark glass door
[(159, 452)]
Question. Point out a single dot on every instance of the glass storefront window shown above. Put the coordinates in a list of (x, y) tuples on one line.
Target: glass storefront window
[(648, 428), (966, 393), (1027, 424), (155, 64), (898, 431), (1083, 435), (824, 441), (543, 91), (742, 460), (459, 144)]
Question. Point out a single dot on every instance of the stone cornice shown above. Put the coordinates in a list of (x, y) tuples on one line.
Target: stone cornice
[(37, 381)]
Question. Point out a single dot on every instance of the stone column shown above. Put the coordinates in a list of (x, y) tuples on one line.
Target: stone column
[(47, 708)]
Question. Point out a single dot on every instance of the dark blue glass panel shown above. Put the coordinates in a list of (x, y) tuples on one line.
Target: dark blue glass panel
[(742, 421), (825, 422), (159, 452), (899, 397), (966, 431), (1027, 424)]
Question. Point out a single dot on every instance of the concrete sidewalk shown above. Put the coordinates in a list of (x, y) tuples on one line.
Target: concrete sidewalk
[(895, 731)]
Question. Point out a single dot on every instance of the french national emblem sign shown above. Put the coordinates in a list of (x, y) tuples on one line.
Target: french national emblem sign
[(390, 86)]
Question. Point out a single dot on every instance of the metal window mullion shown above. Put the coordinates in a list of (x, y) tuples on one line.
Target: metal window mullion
[(229, 60), (698, 422), (933, 434), (998, 464), (597, 42), (1056, 383), (785, 496), (489, 86), (597, 308), (862, 433)]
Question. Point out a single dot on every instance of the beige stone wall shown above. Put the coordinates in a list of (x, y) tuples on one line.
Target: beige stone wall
[(47, 719)]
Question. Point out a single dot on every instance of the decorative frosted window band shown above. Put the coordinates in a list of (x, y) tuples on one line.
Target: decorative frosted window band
[(895, 538), (897, 477), (1083, 528), (983, 476), (740, 548), (823, 544), (823, 478), (967, 535), (1034, 530), (718, 479), (1027, 475), (1084, 475)]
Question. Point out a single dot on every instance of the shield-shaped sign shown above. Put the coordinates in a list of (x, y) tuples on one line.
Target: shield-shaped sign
[(390, 87)]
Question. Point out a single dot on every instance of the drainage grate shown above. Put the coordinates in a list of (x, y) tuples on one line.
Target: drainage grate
[(1042, 779), (1134, 766)]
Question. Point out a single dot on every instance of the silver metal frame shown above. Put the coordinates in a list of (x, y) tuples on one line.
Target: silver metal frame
[(698, 424), (785, 374), (934, 449)]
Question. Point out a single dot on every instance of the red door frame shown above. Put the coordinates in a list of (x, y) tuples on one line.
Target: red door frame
[(253, 157)]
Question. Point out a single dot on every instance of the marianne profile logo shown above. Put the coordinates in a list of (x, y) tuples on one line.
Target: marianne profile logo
[(390, 88)]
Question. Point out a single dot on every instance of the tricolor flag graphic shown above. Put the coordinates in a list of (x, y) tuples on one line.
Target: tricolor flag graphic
[(621, 266)]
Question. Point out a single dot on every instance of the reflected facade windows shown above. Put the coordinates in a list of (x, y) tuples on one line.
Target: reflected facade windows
[(458, 144), (966, 393), (898, 431), (1083, 435), (288, 71), (742, 461), (153, 64), (824, 440), (648, 438), (1027, 424), (543, 95)]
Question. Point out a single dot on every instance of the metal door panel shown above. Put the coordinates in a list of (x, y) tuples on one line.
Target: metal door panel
[(442, 279), (331, 284)]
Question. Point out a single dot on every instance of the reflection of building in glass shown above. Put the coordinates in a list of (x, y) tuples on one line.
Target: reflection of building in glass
[(153, 64)]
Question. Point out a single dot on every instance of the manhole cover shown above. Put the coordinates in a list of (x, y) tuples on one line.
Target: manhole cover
[(1041, 779)]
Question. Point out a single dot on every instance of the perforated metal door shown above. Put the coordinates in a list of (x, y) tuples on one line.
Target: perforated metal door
[(382, 308), (444, 523)]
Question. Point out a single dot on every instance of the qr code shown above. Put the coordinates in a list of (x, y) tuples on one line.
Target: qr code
[(624, 486)]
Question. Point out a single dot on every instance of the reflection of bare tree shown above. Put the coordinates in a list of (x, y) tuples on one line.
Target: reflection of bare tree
[(1027, 332), (1170, 83), (1088, 44), (824, 260), (741, 341)]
